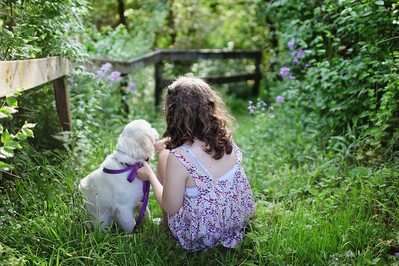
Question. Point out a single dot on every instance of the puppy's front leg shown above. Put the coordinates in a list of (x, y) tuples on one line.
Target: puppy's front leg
[(124, 218)]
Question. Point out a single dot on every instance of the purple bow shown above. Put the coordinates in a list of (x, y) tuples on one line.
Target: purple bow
[(146, 185)]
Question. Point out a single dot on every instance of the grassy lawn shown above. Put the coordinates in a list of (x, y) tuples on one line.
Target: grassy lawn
[(313, 207)]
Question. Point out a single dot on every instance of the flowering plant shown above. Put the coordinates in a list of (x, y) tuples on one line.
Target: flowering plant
[(297, 59), (262, 107)]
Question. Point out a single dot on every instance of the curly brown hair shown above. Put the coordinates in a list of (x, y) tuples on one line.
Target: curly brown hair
[(193, 110)]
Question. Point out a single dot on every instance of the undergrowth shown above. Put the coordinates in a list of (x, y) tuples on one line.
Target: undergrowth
[(313, 207)]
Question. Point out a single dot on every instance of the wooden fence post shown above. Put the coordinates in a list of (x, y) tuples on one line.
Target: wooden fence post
[(62, 103), (255, 89), (158, 83)]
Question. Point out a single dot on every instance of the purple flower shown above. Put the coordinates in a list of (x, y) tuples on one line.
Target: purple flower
[(291, 44), (71, 79), (301, 53), (271, 108), (295, 60), (132, 85), (286, 72), (397, 254), (103, 71), (251, 108), (271, 116), (280, 99), (307, 65), (114, 76)]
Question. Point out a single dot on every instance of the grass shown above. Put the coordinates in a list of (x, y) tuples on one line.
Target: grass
[(313, 208)]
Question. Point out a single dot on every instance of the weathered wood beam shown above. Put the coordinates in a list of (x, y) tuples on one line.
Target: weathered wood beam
[(128, 66), (183, 55), (20, 75)]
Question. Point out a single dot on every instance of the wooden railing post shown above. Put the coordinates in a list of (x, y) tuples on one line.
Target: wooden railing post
[(62, 103), (255, 88), (158, 83)]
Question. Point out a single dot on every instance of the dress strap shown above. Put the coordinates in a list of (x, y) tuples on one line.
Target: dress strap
[(195, 159), (182, 159), (237, 152)]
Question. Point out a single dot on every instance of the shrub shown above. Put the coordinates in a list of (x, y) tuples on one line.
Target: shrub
[(351, 77)]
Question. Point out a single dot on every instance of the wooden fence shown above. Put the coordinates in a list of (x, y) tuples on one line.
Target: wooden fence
[(158, 57), (23, 75), (27, 74)]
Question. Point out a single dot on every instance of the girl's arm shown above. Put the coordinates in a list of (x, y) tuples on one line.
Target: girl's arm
[(170, 194), (174, 185)]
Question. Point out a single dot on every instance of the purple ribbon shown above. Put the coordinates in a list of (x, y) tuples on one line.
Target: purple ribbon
[(146, 185)]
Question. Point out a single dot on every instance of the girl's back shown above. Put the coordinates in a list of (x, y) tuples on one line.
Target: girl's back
[(218, 201)]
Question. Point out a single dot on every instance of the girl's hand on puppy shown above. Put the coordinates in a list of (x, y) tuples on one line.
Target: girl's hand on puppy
[(144, 172), (160, 145)]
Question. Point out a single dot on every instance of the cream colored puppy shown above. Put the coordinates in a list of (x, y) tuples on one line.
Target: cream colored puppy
[(109, 195)]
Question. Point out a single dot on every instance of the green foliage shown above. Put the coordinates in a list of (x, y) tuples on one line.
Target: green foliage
[(11, 142), (222, 24), (313, 207), (110, 39), (351, 80), (118, 44), (40, 28)]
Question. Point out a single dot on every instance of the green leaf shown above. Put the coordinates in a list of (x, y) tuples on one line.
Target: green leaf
[(12, 144), (379, 3), (28, 125), (5, 138), (11, 110), (4, 112), (12, 102), (6, 153), (26, 132), (5, 166)]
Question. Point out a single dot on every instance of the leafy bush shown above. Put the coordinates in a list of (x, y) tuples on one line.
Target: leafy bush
[(41, 28), (11, 142), (350, 79)]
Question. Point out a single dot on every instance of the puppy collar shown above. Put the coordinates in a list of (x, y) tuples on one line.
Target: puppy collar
[(133, 168), (146, 185)]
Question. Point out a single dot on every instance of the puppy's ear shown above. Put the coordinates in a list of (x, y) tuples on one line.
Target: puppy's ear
[(147, 143), (137, 140)]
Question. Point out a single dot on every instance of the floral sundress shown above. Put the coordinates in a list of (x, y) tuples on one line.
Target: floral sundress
[(219, 212)]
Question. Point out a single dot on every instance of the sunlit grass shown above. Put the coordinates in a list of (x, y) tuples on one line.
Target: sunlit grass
[(312, 208)]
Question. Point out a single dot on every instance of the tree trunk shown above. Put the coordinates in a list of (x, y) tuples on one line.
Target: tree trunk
[(121, 10)]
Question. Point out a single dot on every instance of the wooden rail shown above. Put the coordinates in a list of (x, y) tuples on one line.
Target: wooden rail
[(158, 57), (23, 75)]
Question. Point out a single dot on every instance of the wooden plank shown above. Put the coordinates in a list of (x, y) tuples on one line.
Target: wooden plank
[(27, 74), (126, 67), (220, 79), (255, 88), (62, 104), (184, 55), (171, 55)]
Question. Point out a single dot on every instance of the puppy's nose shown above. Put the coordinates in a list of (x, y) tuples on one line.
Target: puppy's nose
[(147, 159)]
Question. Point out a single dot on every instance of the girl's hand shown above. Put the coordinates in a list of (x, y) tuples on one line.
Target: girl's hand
[(144, 172), (160, 145)]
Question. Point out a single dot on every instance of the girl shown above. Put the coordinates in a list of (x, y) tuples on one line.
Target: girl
[(201, 184)]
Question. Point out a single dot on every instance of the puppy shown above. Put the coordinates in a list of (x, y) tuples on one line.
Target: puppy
[(110, 196)]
